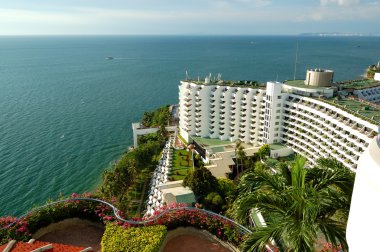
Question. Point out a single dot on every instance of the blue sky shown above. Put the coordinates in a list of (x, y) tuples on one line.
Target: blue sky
[(203, 17)]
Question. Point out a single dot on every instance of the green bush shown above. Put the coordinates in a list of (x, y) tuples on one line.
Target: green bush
[(144, 239), (156, 118), (214, 201)]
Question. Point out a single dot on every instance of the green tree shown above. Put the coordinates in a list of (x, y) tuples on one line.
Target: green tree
[(144, 153), (159, 117), (116, 182), (264, 151), (299, 204), (240, 157), (214, 202), (227, 190), (201, 181)]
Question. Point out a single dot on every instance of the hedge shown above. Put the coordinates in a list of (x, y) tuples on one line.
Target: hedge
[(144, 239)]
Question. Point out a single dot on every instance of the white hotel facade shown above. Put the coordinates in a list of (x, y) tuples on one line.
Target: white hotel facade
[(278, 113), (303, 117)]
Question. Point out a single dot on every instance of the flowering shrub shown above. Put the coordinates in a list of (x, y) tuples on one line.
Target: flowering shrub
[(145, 239), (328, 247), (21, 230), (221, 228)]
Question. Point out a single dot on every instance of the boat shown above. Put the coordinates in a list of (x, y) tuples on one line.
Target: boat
[(109, 58)]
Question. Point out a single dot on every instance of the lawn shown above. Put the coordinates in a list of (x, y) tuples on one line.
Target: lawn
[(182, 162)]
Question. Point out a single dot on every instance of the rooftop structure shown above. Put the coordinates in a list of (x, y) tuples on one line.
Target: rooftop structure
[(319, 77), (174, 192)]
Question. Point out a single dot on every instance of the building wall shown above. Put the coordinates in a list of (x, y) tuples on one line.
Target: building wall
[(273, 113), (364, 220), (224, 112), (377, 76), (369, 94), (316, 129)]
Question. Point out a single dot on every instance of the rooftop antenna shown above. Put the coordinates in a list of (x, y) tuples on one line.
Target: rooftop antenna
[(295, 63)]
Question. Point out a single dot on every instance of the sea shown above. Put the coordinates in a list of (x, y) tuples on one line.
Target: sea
[(66, 110)]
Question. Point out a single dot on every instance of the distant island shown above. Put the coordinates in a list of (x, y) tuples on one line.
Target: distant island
[(340, 34)]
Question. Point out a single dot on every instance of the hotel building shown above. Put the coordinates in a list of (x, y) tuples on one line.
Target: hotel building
[(315, 118)]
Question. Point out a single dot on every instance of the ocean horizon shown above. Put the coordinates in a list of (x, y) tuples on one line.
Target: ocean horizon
[(66, 110)]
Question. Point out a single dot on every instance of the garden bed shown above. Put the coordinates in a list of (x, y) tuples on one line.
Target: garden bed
[(182, 162)]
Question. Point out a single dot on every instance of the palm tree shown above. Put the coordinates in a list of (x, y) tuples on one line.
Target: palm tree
[(299, 204), (240, 155)]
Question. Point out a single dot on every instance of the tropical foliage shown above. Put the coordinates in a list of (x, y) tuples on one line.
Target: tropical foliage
[(240, 157), (298, 204), (156, 118), (264, 151), (145, 239), (372, 69), (201, 181), (118, 181)]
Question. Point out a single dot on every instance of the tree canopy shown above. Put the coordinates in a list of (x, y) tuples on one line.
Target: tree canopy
[(201, 181), (264, 151), (156, 118)]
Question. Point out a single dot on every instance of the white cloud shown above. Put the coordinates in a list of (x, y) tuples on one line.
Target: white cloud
[(255, 2), (225, 19), (362, 12), (339, 2), (240, 3)]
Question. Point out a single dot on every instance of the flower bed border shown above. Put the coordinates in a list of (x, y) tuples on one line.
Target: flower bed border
[(89, 208)]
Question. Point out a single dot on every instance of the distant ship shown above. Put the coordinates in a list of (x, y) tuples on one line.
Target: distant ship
[(109, 58)]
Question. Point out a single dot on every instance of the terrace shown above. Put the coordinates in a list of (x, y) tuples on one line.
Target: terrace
[(359, 84), (366, 112), (207, 142), (231, 83)]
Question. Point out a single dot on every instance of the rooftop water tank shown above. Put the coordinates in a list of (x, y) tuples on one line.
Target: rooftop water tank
[(319, 77)]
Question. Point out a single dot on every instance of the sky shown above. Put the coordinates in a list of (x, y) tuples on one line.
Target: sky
[(191, 17)]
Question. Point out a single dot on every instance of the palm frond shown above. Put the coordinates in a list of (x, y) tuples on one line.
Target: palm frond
[(298, 172), (334, 231)]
